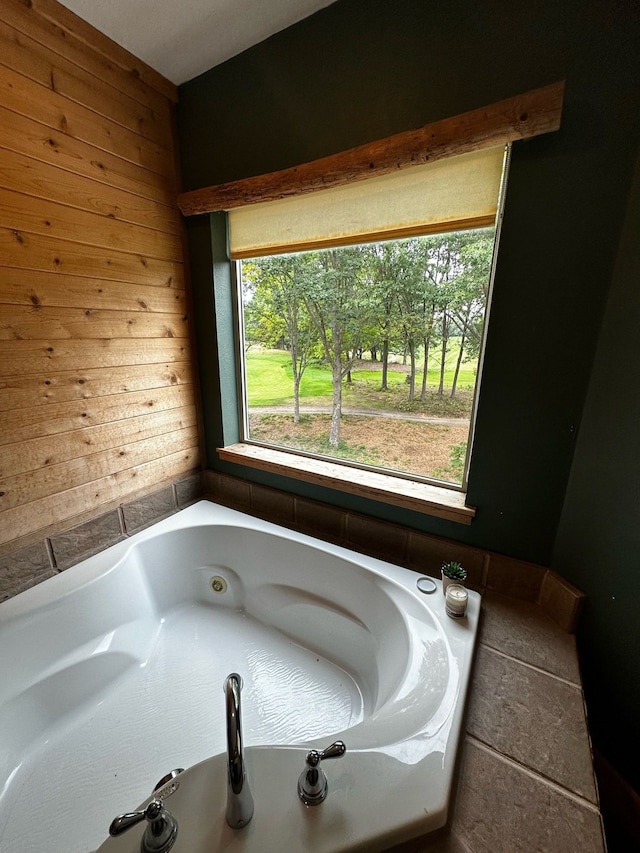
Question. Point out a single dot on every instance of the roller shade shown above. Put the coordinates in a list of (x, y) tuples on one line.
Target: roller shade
[(446, 195)]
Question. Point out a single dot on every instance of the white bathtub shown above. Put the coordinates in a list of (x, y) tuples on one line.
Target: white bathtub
[(111, 675)]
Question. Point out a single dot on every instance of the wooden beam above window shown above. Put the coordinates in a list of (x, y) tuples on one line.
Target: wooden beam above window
[(519, 117)]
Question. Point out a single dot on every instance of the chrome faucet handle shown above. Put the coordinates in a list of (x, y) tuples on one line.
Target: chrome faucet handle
[(161, 831), (312, 782)]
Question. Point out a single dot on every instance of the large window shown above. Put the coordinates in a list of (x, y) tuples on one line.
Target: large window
[(363, 317), (369, 353)]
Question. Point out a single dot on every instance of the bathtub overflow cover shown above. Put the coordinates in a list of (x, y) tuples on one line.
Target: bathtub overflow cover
[(426, 585), (218, 584)]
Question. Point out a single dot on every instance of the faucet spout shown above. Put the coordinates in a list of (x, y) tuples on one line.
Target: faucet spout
[(239, 798)]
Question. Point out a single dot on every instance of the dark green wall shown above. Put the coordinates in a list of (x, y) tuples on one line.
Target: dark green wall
[(363, 69), (598, 543)]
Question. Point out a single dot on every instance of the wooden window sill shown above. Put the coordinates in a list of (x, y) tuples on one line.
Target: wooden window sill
[(387, 488)]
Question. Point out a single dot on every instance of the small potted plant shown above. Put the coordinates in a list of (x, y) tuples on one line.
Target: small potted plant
[(452, 573)]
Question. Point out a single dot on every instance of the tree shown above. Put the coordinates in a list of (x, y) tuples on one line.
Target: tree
[(334, 299), (277, 310), (382, 283), (472, 294), (458, 268)]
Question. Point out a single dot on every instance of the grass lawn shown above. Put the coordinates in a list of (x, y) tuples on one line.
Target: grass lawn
[(270, 383)]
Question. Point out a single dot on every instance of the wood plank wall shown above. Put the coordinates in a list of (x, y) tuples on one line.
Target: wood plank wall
[(96, 379)]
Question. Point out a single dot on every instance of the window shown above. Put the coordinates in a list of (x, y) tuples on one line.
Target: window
[(370, 353), (367, 350)]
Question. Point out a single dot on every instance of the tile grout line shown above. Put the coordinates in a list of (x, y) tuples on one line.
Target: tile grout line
[(539, 777), (531, 666)]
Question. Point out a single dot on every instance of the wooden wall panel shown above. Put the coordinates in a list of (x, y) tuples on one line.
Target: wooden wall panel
[(38, 141), (97, 397), (38, 288), (32, 177)]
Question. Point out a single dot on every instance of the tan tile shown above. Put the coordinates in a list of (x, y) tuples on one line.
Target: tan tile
[(426, 554), (561, 601), (272, 504), (377, 538), (210, 482), (515, 577), (49, 573), (319, 519), (86, 539), (149, 509), (523, 631), (234, 492), (189, 489), (501, 808), (24, 568), (533, 718)]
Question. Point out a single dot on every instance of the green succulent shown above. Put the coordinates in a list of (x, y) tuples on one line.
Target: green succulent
[(454, 571)]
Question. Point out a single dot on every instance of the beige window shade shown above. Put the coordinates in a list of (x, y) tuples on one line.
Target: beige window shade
[(446, 195)]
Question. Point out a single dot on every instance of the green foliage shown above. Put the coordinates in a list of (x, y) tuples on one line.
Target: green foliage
[(454, 571), (458, 458), (455, 469)]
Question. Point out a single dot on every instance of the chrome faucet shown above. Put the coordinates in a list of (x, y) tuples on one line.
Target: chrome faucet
[(239, 798)]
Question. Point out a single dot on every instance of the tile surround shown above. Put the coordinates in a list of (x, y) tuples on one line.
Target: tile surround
[(312, 516), (501, 808), (513, 627), (86, 539), (272, 505), (514, 578), (562, 601), (141, 513), (24, 568), (511, 700), (387, 542)]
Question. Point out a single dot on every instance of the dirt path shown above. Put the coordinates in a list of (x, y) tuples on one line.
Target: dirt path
[(374, 413)]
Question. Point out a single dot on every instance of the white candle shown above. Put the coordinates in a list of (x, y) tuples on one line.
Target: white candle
[(455, 600)]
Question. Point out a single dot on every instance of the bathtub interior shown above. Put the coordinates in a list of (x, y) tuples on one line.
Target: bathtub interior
[(121, 669)]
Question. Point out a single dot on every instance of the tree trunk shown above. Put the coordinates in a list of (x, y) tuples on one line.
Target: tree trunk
[(458, 363), (425, 368), (385, 366), (296, 397), (412, 375), (374, 353), (445, 340), (336, 410)]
